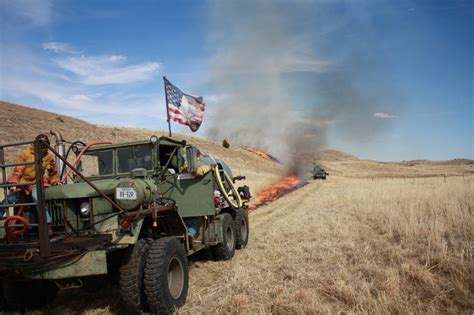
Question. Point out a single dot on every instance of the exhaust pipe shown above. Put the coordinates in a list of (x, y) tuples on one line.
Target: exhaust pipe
[(60, 148)]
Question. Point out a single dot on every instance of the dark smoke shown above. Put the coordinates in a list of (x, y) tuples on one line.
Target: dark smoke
[(278, 94)]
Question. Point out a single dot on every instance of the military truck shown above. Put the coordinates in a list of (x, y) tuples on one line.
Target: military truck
[(129, 206), (319, 172)]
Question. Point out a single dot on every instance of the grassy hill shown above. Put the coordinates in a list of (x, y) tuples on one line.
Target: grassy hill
[(24, 123), (376, 237)]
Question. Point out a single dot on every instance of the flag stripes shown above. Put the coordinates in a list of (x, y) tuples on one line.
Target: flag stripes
[(184, 108)]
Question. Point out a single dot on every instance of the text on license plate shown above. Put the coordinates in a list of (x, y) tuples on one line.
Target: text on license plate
[(125, 193)]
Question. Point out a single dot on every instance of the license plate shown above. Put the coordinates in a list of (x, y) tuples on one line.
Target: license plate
[(125, 193)]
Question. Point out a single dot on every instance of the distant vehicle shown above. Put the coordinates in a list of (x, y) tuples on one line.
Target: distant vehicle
[(319, 172), (130, 206)]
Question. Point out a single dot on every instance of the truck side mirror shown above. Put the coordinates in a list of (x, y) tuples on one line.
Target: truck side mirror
[(192, 159)]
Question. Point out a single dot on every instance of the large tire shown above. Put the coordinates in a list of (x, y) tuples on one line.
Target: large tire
[(131, 277), (166, 276), (226, 249), (21, 295), (241, 228)]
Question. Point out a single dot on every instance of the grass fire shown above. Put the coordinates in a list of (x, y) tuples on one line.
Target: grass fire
[(262, 154), (271, 193), (274, 191)]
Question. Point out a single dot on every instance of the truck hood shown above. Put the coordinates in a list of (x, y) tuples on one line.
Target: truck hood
[(80, 190)]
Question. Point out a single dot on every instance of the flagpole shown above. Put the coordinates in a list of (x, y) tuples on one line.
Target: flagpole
[(167, 109)]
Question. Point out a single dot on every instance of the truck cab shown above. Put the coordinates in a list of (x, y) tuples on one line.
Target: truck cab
[(143, 204)]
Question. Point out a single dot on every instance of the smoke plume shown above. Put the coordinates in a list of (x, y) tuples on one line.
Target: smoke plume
[(277, 93)]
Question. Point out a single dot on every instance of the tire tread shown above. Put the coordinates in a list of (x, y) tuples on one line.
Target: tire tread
[(240, 242), (155, 275), (221, 252), (131, 277)]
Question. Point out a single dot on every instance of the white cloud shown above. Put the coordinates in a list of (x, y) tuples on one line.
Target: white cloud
[(46, 92), (101, 70), (384, 115), (117, 58), (58, 47), (81, 98), (38, 12), (33, 79), (72, 101)]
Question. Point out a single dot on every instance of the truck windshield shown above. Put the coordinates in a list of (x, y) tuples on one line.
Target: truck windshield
[(105, 161), (138, 156), (98, 163)]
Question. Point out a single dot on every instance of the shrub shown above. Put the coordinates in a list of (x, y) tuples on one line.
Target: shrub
[(225, 144)]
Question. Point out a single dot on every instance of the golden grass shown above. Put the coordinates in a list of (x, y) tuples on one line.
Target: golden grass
[(410, 169), (344, 245), (350, 246)]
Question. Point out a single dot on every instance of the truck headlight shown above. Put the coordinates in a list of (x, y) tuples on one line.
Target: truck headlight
[(85, 208)]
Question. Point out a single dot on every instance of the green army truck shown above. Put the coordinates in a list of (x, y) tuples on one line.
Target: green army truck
[(318, 172), (130, 206)]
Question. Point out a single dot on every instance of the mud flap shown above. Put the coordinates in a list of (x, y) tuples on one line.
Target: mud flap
[(213, 232)]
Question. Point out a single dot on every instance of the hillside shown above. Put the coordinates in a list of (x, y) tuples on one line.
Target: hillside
[(24, 123), (408, 169), (334, 156), (375, 237)]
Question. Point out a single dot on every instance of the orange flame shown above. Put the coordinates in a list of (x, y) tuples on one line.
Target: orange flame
[(259, 153), (278, 190)]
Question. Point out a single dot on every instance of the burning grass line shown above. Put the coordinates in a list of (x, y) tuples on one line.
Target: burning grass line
[(273, 192)]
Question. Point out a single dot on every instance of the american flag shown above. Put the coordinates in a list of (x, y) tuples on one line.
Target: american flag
[(184, 108)]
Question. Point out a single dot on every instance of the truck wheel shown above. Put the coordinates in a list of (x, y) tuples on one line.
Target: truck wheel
[(226, 249), (26, 294), (131, 277), (241, 227), (166, 276)]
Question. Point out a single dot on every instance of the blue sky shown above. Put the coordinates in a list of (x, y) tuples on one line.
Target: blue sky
[(386, 80)]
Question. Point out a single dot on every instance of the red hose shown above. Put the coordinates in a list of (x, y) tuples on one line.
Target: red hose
[(14, 233), (80, 155)]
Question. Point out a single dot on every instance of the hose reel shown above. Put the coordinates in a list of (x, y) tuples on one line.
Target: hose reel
[(231, 195)]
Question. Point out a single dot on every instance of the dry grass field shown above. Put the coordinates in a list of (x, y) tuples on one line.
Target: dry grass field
[(344, 245), (350, 246), (373, 238)]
